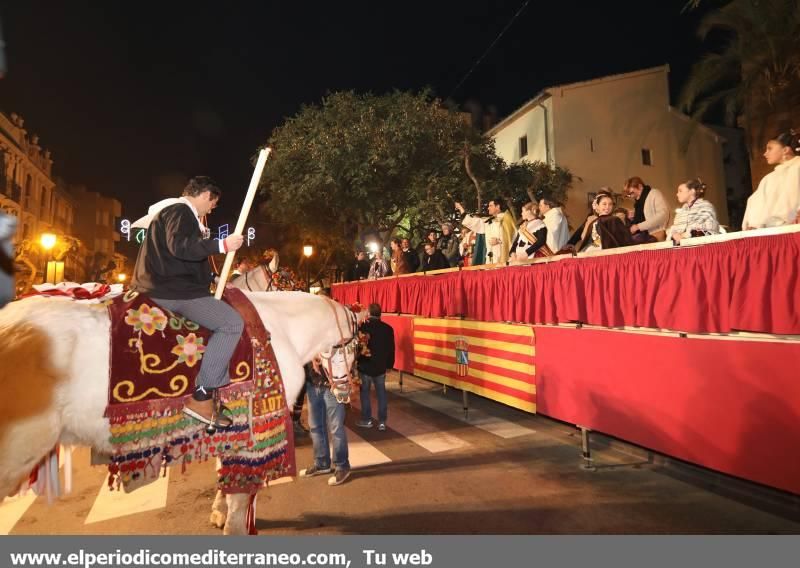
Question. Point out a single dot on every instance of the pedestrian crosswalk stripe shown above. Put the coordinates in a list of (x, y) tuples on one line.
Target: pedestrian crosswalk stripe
[(497, 426), (362, 453), (12, 509), (113, 504), (421, 433)]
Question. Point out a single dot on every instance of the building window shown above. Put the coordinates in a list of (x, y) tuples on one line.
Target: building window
[(647, 157), (28, 193), (523, 146)]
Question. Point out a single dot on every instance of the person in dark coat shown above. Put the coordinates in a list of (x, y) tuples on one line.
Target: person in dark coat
[(412, 258), (372, 367), (359, 270), (605, 231), (433, 259), (172, 268)]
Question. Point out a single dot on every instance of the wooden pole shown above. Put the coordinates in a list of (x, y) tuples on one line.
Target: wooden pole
[(248, 202)]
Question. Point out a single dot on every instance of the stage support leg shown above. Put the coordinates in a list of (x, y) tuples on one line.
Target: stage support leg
[(401, 381), (586, 448), (465, 397)]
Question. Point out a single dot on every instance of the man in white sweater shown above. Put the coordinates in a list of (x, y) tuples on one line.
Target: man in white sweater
[(650, 213), (556, 223)]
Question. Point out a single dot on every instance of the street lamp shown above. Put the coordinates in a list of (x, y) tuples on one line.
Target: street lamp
[(48, 241), (308, 250), (121, 277)]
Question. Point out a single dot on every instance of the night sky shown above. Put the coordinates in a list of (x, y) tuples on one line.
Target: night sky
[(134, 97)]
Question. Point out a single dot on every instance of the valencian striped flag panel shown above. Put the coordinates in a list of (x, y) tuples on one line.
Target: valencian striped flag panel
[(493, 360)]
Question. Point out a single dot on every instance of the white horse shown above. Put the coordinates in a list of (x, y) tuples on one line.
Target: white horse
[(258, 279), (54, 374)]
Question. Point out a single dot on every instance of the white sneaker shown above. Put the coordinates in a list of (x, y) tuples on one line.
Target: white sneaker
[(339, 477)]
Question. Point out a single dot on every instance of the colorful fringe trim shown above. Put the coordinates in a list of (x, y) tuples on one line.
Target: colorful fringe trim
[(258, 447)]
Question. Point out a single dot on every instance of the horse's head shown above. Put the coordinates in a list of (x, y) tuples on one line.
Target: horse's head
[(257, 279), (338, 361)]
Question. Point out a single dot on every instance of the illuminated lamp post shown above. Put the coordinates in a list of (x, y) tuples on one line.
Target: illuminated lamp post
[(308, 250), (121, 277), (48, 241)]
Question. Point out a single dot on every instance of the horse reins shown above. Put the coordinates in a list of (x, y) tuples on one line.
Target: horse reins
[(343, 343)]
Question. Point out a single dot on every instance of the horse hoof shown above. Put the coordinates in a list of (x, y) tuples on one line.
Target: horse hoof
[(234, 530), (218, 519)]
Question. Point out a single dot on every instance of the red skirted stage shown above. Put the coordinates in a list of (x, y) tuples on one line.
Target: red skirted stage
[(728, 402), (750, 284)]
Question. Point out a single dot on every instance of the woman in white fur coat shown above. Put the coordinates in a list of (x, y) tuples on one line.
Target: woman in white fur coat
[(777, 200)]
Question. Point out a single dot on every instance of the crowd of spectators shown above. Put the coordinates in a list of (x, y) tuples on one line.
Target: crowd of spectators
[(543, 228)]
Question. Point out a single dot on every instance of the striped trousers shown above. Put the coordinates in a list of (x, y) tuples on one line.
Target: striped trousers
[(226, 327)]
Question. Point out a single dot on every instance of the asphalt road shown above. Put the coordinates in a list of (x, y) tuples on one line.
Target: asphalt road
[(431, 472)]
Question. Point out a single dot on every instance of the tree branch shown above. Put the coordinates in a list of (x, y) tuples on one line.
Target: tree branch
[(475, 181)]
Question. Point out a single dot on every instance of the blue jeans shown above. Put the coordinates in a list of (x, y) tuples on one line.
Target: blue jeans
[(326, 417), (380, 392)]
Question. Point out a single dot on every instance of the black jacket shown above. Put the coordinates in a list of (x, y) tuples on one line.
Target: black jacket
[(576, 236), (381, 347), (612, 231), (412, 259), (359, 270), (173, 259), (433, 262)]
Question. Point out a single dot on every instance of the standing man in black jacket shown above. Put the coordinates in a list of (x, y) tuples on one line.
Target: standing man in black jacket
[(173, 269), (372, 368)]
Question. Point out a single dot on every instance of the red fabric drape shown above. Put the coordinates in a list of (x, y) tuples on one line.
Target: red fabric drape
[(403, 341), (728, 405), (765, 289), (750, 284)]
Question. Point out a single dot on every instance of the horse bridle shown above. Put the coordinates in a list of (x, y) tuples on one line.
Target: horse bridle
[(344, 344), (267, 278)]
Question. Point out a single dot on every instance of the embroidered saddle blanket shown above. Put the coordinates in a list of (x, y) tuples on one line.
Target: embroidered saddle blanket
[(155, 357)]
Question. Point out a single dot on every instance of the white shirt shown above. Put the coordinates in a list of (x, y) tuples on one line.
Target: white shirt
[(557, 229), (777, 199)]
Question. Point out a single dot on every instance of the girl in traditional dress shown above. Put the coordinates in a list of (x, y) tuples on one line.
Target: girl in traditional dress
[(777, 200), (604, 230), (466, 246), (531, 238), (580, 233), (697, 216)]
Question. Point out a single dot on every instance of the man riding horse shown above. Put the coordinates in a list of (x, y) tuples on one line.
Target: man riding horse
[(172, 268)]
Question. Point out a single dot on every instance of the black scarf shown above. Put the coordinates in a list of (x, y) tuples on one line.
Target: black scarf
[(638, 207)]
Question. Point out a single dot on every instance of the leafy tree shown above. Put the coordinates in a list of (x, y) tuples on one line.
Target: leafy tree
[(756, 76), (386, 164), (359, 162), (530, 181)]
